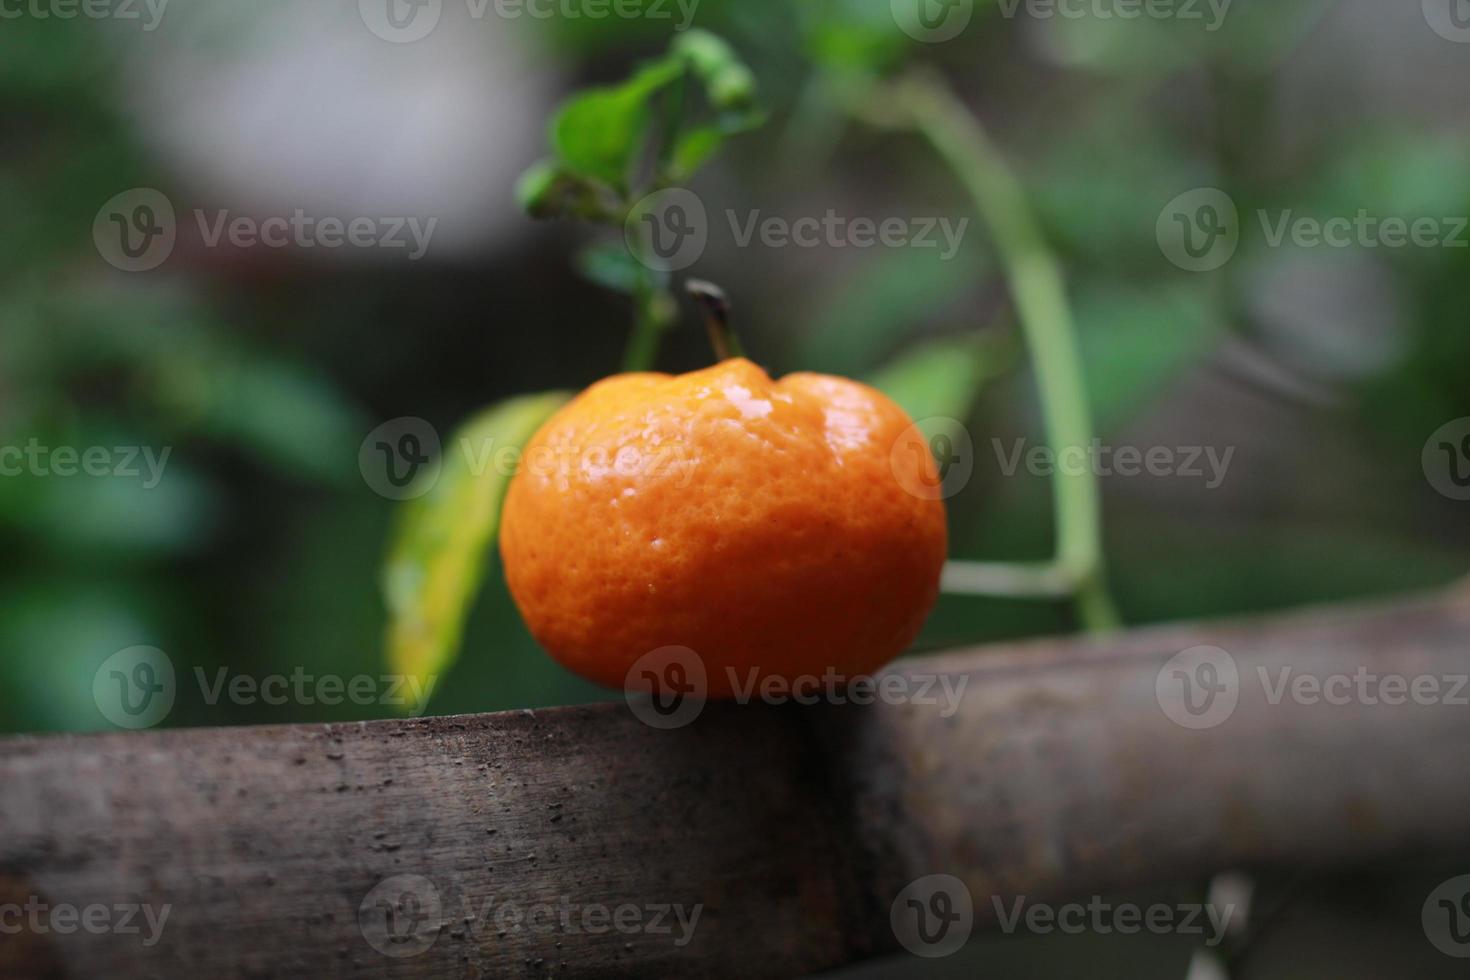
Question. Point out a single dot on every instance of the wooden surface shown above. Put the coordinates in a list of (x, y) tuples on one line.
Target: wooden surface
[(791, 829)]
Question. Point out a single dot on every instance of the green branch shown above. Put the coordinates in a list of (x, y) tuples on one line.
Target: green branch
[(926, 105), (654, 311)]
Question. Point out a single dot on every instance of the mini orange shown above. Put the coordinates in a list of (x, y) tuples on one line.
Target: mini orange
[(759, 523)]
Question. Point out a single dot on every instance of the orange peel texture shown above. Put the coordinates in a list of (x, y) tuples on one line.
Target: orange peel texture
[(759, 523)]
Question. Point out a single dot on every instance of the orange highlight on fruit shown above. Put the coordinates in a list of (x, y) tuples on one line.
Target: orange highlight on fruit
[(759, 523)]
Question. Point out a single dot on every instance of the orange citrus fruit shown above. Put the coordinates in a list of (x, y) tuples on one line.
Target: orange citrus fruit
[(759, 523)]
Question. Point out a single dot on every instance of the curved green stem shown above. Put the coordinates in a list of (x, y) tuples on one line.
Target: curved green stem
[(1036, 283)]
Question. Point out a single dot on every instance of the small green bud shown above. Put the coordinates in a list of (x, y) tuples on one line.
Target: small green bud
[(729, 84), (708, 54), (732, 88)]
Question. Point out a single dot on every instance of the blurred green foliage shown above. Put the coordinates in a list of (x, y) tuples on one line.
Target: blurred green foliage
[(259, 549)]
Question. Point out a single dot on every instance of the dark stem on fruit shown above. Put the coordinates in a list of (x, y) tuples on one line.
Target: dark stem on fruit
[(716, 307)]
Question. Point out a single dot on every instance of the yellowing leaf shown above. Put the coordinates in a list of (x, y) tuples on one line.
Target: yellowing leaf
[(437, 558)]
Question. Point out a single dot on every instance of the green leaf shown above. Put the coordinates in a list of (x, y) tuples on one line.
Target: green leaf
[(693, 148), (599, 132), (942, 377), (610, 266), (437, 558)]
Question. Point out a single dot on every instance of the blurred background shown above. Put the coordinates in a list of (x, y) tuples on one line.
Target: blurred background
[(262, 369)]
